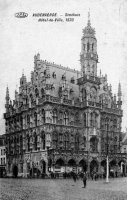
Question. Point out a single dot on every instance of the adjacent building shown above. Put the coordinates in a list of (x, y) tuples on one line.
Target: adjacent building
[(64, 119), (2, 156)]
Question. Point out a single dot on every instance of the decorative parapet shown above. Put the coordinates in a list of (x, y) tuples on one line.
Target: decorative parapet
[(112, 111), (88, 78)]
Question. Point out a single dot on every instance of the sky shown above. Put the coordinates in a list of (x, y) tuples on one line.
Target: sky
[(60, 42)]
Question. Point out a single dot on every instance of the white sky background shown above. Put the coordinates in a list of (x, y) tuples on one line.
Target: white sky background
[(60, 42)]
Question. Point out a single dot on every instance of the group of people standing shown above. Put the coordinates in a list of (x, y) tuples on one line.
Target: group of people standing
[(84, 178)]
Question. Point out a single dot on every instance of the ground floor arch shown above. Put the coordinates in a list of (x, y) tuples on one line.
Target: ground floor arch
[(15, 171), (2, 172), (103, 166), (122, 167), (93, 166), (60, 162), (83, 165), (35, 172), (72, 163), (43, 166)]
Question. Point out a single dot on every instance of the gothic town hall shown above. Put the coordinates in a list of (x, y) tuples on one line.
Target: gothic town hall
[(64, 119)]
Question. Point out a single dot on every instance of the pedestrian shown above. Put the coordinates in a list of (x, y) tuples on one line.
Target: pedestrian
[(74, 176), (84, 179)]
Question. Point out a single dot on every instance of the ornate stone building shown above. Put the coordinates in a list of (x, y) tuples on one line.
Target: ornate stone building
[(64, 119)]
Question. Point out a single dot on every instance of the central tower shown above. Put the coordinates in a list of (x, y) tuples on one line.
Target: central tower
[(88, 56)]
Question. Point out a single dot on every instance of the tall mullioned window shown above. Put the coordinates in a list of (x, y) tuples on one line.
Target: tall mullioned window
[(54, 116), (28, 143), (35, 119), (88, 46), (66, 118), (35, 141), (85, 120), (43, 116)]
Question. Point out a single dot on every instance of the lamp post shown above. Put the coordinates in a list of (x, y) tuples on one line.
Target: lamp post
[(107, 158)]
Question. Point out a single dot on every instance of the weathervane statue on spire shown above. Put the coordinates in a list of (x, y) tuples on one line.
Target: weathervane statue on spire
[(89, 18)]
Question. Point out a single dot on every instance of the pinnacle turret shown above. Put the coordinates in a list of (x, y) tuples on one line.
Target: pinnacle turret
[(119, 102), (7, 93), (7, 99), (119, 91)]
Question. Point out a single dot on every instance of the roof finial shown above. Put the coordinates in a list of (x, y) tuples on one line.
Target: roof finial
[(23, 72), (89, 18)]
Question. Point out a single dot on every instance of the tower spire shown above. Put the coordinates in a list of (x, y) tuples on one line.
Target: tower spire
[(88, 56)]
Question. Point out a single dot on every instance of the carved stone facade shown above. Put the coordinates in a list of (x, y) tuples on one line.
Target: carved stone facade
[(64, 118)]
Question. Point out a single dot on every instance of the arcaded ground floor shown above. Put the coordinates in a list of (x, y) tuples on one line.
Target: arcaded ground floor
[(62, 189), (36, 168)]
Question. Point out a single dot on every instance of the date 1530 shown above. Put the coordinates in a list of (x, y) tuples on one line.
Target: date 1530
[(69, 19)]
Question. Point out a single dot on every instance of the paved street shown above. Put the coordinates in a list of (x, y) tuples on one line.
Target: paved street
[(40, 189)]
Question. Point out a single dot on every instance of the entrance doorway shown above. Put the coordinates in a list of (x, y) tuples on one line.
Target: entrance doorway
[(15, 171)]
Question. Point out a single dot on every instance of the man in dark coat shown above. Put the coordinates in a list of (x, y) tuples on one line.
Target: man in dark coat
[(84, 179)]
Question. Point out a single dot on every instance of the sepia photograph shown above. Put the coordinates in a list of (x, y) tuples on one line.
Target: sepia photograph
[(63, 100)]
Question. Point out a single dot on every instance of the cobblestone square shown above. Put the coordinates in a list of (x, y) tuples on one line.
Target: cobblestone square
[(61, 189)]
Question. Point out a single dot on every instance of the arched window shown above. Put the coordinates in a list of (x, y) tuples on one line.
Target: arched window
[(91, 119), (77, 118), (42, 92), (93, 69), (85, 124), (84, 94), (61, 137), (115, 124), (84, 141), (72, 119), (66, 119), (35, 119), (54, 116), (28, 143), (55, 139), (15, 144), (35, 141), (36, 92), (84, 47), (21, 122), (88, 68), (21, 144), (43, 116), (77, 141), (28, 120), (66, 140), (93, 94), (15, 125), (31, 98), (61, 117), (96, 119), (92, 46), (44, 141), (93, 144), (88, 46)]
